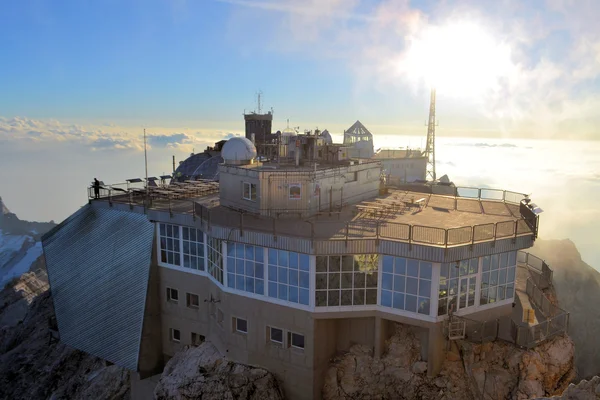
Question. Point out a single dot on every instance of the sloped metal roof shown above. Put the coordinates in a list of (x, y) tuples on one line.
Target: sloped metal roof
[(98, 266)]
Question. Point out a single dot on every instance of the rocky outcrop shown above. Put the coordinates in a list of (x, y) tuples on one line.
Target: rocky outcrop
[(202, 373), (490, 371), (577, 287), (584, 390), (33, 364)]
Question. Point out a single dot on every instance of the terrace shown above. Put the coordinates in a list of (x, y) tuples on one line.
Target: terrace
[(473, 216)]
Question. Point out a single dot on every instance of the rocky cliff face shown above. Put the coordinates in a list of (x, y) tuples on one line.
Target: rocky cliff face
[(202, 373), (490, 371), (584, 390), (577, 287), (33, 364)]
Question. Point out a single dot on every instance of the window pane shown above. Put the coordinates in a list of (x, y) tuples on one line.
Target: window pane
[(277, 335), (249, 284), (321, 264), (444, 270), (411, 303), (334, 263), (425, 272), (297, 340), (464, 268), (283, 258), (272, 257), (239, 282), (359, 280), (231, 280), (293, 260), (347, 263), (304, 296), (503, 260), (372, 280), (424, 306), (334, 281), (304, 262), (249, 252), (473, 265), (509, 291), (239, 266), (494, 262), (259, 286), (321, 281), (321, 298), (347, 280), (512, 258), (442, 306), (484, 297), (333, 297), (387, 281), (400, 265), (486, 263), (510, 277), (386, 298), (502, 277), (358, 296), (259, 254), (399, 301), (241, 325), (293, 277), (304, 279), (272, 273), (283, 292), (411, 285), (346, 297), (494, 278), (453, 268), (293, 294), (371, 296), (249, 268), (399, 283), (388, 264), (424, 288), (273, 289), (259, 270)]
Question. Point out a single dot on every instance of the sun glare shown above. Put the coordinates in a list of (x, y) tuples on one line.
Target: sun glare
[(458, 59)]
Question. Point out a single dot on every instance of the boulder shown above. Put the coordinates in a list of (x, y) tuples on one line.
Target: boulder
[(202, 373)]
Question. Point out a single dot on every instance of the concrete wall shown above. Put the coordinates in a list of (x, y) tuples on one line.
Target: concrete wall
[(294, 367), (405, 169), (231, 189), (150, 360)]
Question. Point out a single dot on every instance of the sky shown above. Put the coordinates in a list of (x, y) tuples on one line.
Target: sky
[(81, 80)]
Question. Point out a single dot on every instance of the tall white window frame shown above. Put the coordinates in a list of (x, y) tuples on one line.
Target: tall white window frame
[(249, 190)]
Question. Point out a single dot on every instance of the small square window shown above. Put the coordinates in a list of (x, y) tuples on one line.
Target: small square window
[(175, 335), (172, 295), (249, 191), (276, 335), (240, 325), (296, 340), (192, 300), (197, 339)]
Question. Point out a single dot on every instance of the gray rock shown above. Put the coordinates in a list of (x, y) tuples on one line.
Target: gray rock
[(202, 373), (419, 367)]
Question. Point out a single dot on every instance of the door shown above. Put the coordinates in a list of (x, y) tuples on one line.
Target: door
[(466, 292)]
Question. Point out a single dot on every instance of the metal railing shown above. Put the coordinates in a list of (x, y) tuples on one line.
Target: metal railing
[(506, 196), (521, 334), (328, 228)]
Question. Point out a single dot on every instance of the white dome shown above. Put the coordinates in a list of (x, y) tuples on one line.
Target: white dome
[(327, 136), (238, 150)]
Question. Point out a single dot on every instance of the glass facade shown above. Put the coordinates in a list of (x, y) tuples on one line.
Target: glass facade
[(246, 268), (193, 248), (289, 277), (457, 285), (169, 244), (215, 258), (406, 284), (346, 280), (498, 277)]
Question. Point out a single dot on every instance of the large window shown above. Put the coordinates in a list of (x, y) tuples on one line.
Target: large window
[(249, 191), (346, 280), (215, 258), (457, 285), (498, 277), (193, 248), (406, 284), (245, 268), (289, 276), (169, 244)]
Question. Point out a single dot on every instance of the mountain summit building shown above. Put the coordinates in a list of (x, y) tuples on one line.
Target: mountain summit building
[(282, 263)]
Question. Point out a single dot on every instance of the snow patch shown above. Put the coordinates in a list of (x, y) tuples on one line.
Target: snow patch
[(33, 253)]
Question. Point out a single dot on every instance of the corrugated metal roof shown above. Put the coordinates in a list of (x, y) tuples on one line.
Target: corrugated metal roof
[(98, 266)]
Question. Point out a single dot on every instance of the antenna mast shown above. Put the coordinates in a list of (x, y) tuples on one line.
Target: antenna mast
[(430, 147), (259, 94), (146, 162)]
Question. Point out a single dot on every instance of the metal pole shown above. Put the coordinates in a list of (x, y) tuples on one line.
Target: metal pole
[(146, 163)]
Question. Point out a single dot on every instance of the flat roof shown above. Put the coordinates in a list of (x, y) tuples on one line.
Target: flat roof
[(399, 215)]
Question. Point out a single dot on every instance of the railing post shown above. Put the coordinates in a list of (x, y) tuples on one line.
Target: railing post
[(347, 223), (516, 229)]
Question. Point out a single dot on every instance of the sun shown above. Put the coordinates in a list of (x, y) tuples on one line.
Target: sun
[(459, 59)]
